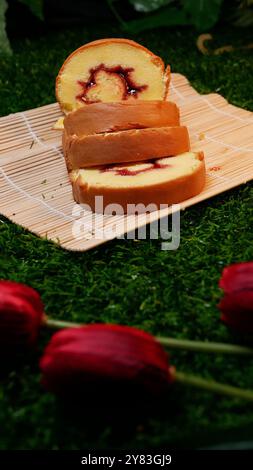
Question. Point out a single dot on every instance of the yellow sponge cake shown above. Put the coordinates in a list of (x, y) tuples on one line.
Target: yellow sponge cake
[(111, 70), (163, 181)]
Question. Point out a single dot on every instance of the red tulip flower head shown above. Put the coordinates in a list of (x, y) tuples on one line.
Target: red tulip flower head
[(237, 303), (21, 312), (101, 357)]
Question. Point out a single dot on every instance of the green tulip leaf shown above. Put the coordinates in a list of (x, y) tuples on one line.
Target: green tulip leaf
[(203, 13), (5, 48), (36, 7)]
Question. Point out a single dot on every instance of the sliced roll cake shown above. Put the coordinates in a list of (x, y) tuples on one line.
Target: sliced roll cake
[(124, 146), (110, 70), (120, 116), (163, 181)]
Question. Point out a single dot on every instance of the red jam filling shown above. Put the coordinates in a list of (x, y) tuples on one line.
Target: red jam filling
[(215, 168), (126, 171), (130, 87)]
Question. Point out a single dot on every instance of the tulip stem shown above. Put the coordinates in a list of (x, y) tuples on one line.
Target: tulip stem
[(212, 386), (115, 12), (202, 346), (172, 343), (54, 324)]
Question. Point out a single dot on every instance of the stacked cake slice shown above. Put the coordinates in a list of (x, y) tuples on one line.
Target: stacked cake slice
[(119, 125), (150, 184), (101, 134)]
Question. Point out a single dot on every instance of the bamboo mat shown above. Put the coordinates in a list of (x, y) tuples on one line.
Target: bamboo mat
[(34, 187)]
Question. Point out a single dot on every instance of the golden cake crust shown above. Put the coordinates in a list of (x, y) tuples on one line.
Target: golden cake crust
[(124, 146), (119, 116), (167, 192)]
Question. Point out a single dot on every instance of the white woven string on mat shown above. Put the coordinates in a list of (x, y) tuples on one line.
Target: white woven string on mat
[(231, 146), (34, 198), (30, 196), (25, 193), (211, 105), (36, 138), (207, 136), (50, 208)]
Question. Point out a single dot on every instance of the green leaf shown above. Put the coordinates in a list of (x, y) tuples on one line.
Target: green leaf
[(146, 6), (203, 13), (36, 7), (243, 18), (5, 48), (168, 16)]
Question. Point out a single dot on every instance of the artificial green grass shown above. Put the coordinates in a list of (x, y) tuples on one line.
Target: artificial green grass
[(132, 282)]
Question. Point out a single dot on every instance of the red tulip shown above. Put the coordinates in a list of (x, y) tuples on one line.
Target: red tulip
[(97, 356), (237, 303), (21, 312)]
